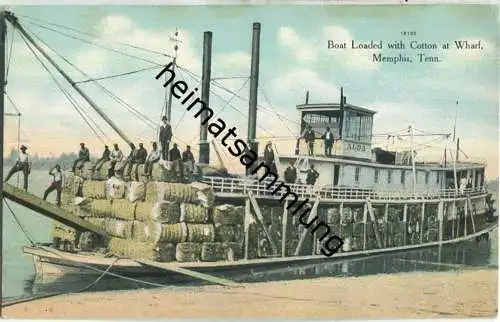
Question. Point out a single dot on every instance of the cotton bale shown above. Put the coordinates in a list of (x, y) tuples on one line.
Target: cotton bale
[(233, 251), (229, 233), (87, 170), (192, 213), (227, 215), (173, 233), (160, 173), (115, 188), (211, 252), (136, 191), (123, 209), (100, 208), (188, 252), (134, 249), (204, 193), (200, 233), (94, 189), (167, 212)]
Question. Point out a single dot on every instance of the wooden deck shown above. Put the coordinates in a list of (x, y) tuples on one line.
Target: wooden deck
[(49, 210)]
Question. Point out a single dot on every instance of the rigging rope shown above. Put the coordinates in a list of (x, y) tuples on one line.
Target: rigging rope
[(118, 75), (9, 57), (18, 131), (67, 95), (269, 102), (127, 106), (19, 223)]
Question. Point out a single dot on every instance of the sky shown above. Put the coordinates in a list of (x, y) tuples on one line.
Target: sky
[(294, 58)]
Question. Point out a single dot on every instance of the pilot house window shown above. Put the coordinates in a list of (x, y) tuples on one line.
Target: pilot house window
[(356, 174)]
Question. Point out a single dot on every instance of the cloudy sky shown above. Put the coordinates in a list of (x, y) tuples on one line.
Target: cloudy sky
[(294, 59)]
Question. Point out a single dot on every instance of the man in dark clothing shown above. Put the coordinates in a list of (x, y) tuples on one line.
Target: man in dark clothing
[(328, 137), (268, 154), (165, 137), (175, 158), (22, 164), (128, 161), (309, 138), (104, 158), (83, 156), (56, 184), (139, 158), (188, 160), (312, 175)]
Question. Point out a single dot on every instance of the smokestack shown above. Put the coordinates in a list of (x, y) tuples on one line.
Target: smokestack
[(345, 100), (205, 96), (307, 97), (254, 84), (341, 118)]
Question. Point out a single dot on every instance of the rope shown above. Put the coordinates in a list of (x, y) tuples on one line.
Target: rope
[(18, 131), (127, 106), (269, 102), (19, 224), (118, 75), (9, 59), (67, 95)]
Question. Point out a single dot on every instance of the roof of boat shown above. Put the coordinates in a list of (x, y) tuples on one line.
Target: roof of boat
[(330, 106)]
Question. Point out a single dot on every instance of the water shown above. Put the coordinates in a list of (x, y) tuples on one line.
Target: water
[(19, 279)]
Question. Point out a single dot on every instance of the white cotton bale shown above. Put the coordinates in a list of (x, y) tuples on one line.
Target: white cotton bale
[(191, 213), (200, 233), (136, 191), (115, 188), (94, 189), (123, 209)]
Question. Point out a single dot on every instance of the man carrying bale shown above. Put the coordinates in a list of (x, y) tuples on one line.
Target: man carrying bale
[(104, 158), (153, 157), (56, 184), (22, 164), (83, 156), (175, 158), (115, 156)]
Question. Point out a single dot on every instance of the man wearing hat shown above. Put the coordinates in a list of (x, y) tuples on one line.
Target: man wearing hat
[(165, 137), (56, 184), (83, 156), (22, 164)]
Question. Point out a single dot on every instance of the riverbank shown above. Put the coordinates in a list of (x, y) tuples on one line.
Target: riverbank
[(469, 293)]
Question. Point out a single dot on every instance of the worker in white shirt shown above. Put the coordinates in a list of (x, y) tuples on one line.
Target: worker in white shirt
[(115, 156), (56, 184), (153, 157), (22, 164)]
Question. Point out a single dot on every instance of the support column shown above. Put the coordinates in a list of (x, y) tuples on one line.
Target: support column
[(205, 97)]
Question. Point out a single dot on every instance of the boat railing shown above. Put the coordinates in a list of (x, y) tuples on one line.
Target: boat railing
[(241, 186)]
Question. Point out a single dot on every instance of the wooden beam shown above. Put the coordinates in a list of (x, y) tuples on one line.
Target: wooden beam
[(422, 218), (49, 210), (440, 220), (466, 212), (187, 272), (405, 219), (260, 220), (454, 216), (341, 210), (284, 231), (386, 220), (374, 222), (247, 226), (472, 212), (313, 212), (365, 219)]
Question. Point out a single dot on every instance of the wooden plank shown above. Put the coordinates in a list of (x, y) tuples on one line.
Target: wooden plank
[(405, 217), (313, 212), (284, 231), (422, 218), (260, 220), (440, 219), (386, 220), (472, 213), (247, 226), (365, 219), (49, 210), (374, 223), (188, 272)]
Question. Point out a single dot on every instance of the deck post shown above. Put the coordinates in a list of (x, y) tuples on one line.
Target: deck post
[(365, 213), (386, 221), (469, 204), (341, 210), (466, 212), (440, 220), (405, 218), (247, 226), (422, 218), (284, 231), (455, 217), (260, 220), (374, 222), (313, 212)]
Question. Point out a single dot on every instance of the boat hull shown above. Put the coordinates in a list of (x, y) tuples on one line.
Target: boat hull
[(51, 264)]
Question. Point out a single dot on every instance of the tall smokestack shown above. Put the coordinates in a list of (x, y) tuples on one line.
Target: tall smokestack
[(254, 85), (205, 96), (341, 118), (307, 97)]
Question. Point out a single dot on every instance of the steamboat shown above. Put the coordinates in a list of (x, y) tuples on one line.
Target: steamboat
[(377, 200)]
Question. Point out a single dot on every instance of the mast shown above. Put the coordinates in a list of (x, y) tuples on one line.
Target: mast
[(168, 107), (254, 84), (205, 96), (3, 31), (341, 119), (13, 20)]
